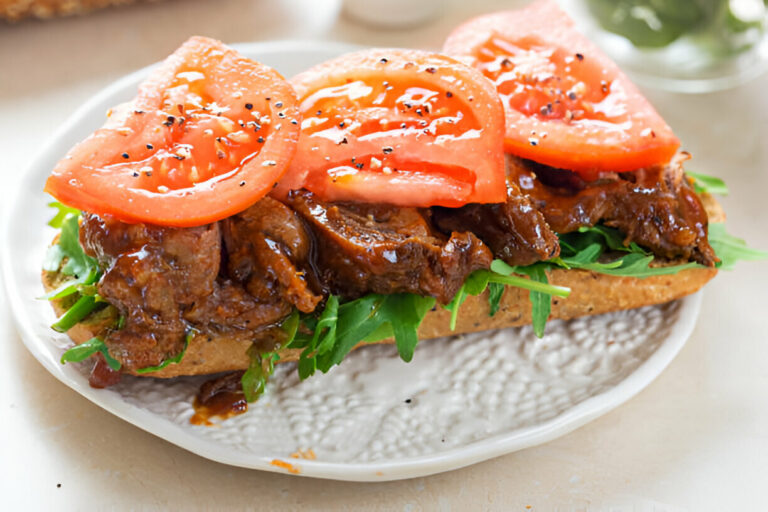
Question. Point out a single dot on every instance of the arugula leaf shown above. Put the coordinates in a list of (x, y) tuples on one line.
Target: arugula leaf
[(710, 184), (82, 285), (262, 364), (495, 292), (261, 367), (731, 249), (587, 248), (171, 360), (328, 336), (79, 310), (77, 263), (541, 303), (500, 274), (62, 211), (88, 348)]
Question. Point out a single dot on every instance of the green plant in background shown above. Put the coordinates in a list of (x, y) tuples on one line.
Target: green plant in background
[(721, 26)]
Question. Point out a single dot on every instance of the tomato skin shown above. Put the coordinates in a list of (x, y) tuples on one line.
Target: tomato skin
[(402, 127), (209, 133), (567, 105)]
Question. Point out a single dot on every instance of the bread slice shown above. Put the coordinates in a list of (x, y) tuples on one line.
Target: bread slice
[(591, 294)]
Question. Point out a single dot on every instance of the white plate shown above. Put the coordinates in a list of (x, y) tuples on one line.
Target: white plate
[(374, 418)]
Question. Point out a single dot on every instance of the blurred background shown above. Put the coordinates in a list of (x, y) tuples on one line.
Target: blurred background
[(693, 440)]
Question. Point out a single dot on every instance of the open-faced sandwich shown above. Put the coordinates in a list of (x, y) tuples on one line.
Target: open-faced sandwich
[(226, 219)]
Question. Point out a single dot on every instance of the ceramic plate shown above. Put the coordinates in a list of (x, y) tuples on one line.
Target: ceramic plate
[(462, 399)]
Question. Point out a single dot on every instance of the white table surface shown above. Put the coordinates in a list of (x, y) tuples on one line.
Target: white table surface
[(696, 439)]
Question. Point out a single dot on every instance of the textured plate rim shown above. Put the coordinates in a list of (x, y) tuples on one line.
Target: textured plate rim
[(454, 458)]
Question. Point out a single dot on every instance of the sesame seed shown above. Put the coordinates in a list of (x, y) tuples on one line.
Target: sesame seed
[(533, 141), (279, 104), (359, 165), (431, 70), (448, 94), (150, 146), (319, 112), (387, 150), (126, 156), (383, 61), (249, 106), (281, 115), (260, 140), (580, 57), (341, 124), (242, 183)]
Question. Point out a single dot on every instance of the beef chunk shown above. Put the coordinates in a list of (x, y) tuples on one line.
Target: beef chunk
[(363, 249), (165, 280), (656, 207), (515, 231), (264, 244), (151, 274)]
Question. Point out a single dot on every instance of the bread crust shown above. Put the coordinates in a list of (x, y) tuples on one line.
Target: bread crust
[(591, 294)]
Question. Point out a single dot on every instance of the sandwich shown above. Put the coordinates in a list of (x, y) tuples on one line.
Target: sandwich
[(227, 219)]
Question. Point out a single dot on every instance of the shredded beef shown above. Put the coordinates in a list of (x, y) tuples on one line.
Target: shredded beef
[(165, 280), (515, 231), (264, 245), (655, 207), (363, 249)]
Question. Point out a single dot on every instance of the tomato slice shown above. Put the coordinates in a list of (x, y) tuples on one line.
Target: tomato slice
[(401, 127), (567, 104), (209, 134)]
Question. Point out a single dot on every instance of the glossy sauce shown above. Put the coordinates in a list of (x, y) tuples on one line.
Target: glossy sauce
[(221, 397)]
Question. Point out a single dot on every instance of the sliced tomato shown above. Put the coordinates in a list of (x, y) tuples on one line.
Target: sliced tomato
[(567, 104), (402, 127), (208, 135)]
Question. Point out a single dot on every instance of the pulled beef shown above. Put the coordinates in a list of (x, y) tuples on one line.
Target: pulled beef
[(363, 249), (655, 207), (165, 280), (264, 245), (515, 231)]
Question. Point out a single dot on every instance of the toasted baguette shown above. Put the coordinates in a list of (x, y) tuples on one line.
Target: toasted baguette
[(15, 10), (591, 294)]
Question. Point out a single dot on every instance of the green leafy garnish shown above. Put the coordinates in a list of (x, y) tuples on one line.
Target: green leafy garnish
[(326, 337), (88, 348), (501, 274), (591, 248), (261, 367), (67, 256), (262, 364), (79, 310), (495, 291), (171, 360), (62, 211), (541, 303), (731, 249), (703, 183)]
